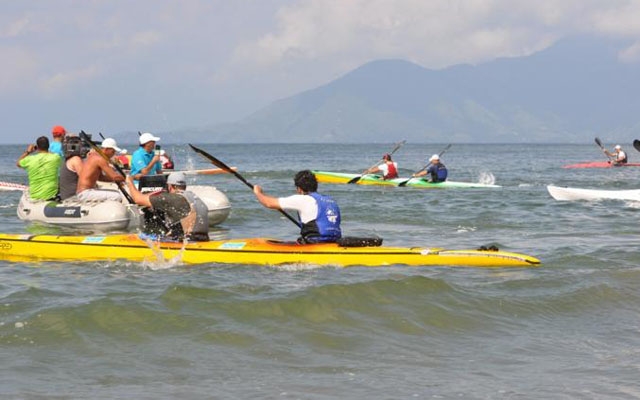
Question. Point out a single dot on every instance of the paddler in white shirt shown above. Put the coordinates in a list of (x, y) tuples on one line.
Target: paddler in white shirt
[(618, 156), (388, 168)]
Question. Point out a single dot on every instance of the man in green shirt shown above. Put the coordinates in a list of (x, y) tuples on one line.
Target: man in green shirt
[(42, 167)]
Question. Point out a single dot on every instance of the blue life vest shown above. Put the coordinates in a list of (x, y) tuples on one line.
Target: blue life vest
[(438, 172), (326, 226)]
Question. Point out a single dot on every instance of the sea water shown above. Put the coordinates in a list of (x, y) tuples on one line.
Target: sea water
[(568, 329)]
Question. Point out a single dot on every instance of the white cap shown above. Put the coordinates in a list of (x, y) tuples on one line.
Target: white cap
[(618, 147), (123, 151), (109, 143), (147, 137), (177, 178), (434, 157)]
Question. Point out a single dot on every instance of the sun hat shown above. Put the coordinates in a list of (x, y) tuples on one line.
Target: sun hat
[(177, 178), (434, 157), (58, 130), (110, 143), (618, 147), (147, 137)]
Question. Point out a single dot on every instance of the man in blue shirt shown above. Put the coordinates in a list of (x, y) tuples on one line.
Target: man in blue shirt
[(145, 161), (436, 170), (55, 146)]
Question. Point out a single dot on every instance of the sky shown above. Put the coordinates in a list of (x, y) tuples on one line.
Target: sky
[(114, 66)]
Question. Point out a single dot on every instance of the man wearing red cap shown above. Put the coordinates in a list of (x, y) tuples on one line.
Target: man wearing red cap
[(58, 133)]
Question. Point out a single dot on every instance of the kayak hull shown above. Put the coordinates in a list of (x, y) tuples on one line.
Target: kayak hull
[(255, 251), (372, 179), (599, 164), (573, 194)]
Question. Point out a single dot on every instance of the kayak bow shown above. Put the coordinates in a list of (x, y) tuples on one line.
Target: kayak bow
[(256, 251)]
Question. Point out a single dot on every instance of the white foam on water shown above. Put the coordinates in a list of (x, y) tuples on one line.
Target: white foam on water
[(486, 178)]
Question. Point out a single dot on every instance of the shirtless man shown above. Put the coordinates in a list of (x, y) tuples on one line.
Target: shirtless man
[(97, 168)]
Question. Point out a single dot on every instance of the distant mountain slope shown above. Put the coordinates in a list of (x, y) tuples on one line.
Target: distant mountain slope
[(569, 92)]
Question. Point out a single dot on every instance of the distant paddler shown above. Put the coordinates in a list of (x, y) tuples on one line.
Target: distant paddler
[(388, 168), (436, 170), (618, 156), (378, 164)]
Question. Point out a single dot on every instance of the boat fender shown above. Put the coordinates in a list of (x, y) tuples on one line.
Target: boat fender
[(488, 248), (352, 241)]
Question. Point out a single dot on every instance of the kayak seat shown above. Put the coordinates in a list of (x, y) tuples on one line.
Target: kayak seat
[(345, 241), (354, 241), (488, 248)]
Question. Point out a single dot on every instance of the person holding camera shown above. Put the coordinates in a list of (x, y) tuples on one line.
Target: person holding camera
[(42, 167), (145, 160), (74, 154)]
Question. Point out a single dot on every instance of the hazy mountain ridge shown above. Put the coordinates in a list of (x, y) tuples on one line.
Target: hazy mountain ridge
[(570, 92)]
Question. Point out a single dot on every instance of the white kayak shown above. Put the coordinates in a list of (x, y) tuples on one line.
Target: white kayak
[(569, 194), (108, 216)]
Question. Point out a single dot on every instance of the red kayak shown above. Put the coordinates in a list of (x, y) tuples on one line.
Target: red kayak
[(600, 164)]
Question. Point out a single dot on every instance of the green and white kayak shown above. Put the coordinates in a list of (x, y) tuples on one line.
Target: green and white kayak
[(372, 179)]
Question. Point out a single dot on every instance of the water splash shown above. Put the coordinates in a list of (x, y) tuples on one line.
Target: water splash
[(486, 178), (160, 261)]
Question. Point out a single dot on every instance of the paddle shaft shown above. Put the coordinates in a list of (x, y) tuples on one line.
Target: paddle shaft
[(98, 150), (225, 167), (599, 143), (404, 183), (357, 178)]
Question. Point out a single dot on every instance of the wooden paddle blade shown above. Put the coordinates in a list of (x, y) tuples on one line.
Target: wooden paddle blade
[(636, 144)]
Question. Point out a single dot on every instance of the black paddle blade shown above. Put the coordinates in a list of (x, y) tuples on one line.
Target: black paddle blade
[(354, 180), (211, 158), (599, 143), (636, 144), (220, 164), (404, 183)]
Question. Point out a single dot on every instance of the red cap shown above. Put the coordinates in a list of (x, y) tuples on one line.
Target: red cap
[(58, 131)]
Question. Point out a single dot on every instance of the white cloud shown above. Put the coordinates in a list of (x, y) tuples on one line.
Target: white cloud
[(18, 70), (61, 84), (631, 54), (241, 55), (15, 28), (433, 33)]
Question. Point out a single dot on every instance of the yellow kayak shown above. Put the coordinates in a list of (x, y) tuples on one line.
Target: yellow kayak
[(256, 251)]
